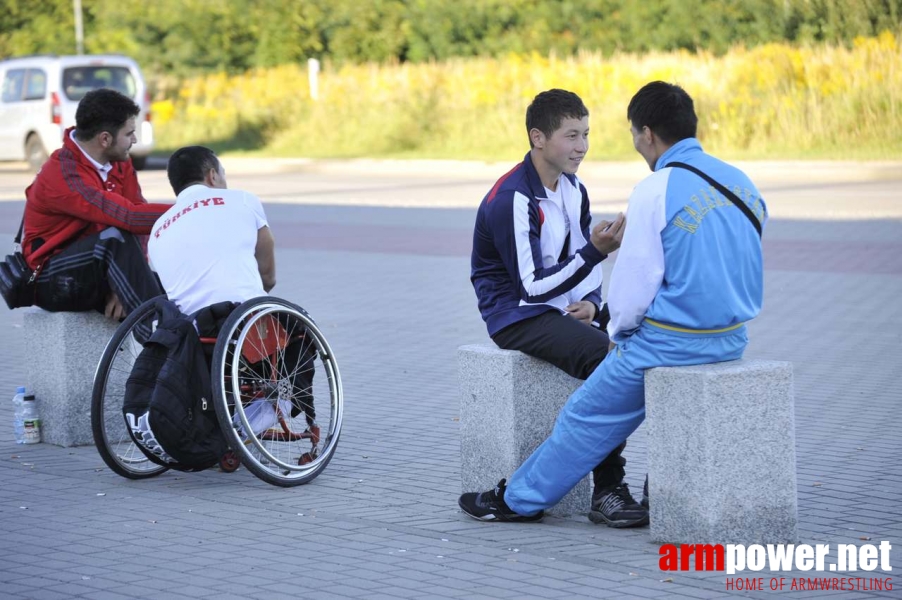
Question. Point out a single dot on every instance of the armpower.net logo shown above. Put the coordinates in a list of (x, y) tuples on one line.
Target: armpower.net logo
[(737, 559)]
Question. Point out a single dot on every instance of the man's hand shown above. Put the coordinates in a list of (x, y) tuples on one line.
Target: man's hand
[(582, 311), (114, 309), (606, 236)]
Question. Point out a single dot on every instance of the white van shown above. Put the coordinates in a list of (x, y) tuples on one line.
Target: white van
[(40, 95)]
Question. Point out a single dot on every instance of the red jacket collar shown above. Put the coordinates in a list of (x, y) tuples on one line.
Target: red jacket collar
[(70, 145)]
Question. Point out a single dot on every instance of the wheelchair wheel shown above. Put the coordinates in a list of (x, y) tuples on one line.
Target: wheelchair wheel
[(111, 435), (277, 391)]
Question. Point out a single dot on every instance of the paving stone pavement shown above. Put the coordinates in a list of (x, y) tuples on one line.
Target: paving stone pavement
[(382, 520)]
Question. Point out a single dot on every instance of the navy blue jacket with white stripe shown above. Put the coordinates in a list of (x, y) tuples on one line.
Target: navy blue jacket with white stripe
[(523, 262)]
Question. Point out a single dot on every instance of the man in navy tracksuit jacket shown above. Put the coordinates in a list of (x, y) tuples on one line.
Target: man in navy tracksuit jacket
[(689, 276), (536, 268)]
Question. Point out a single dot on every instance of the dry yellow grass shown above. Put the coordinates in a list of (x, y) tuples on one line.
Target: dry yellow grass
[(776, 101)]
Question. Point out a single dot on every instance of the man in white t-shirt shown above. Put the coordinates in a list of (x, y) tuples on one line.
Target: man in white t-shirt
[(214, 244)]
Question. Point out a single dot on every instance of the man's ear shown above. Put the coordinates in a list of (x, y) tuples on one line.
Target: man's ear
[(210, 177), (537, 137), (105, 138), (655, 141)]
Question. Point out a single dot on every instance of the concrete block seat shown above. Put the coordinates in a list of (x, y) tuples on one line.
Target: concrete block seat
[(62, 350), (508, 405), (721, 453)]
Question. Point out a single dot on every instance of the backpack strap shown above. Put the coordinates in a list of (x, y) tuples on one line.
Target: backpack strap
[(18, 239), (723, 190), (17, 249)]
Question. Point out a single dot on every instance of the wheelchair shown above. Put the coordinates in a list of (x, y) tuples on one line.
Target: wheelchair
[(264, 348)]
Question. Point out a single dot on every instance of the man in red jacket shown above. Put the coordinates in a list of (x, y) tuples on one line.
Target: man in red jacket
[(83, 211)]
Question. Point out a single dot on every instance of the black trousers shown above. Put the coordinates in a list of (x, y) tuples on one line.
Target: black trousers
[(81, 277), (576, 349)]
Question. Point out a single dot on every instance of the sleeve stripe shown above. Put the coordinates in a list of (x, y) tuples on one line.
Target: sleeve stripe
[(95, 197), (639, 269), (500, 182), (540, 284)]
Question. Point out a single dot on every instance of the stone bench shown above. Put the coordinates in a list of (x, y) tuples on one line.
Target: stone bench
[(61, 353), (508, 405), (721, 453)]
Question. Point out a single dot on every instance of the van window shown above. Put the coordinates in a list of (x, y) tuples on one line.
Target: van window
[(13, 84), (78, 81), (36, 85)]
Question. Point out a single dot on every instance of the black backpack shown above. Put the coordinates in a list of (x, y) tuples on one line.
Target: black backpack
[(168, 407)]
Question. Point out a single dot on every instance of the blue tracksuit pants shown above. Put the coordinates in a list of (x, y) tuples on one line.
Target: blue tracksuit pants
[(607, 408)]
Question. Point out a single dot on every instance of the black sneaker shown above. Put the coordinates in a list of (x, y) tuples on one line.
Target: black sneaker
[(645, 494), (615, 507), (490, 506)]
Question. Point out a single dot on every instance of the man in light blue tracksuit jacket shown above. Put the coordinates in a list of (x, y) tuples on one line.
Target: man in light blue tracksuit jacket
[(688, 277)]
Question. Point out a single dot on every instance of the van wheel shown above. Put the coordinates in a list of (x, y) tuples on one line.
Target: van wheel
[(139, 162), (35, 153)]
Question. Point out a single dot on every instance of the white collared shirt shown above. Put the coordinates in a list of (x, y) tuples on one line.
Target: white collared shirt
[(103, 170)]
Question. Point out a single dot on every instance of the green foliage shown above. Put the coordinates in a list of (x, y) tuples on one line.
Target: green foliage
[(36, 26), (187, 37)]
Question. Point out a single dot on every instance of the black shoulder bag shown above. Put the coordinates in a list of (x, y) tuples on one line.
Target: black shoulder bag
[(16, 277), (723, 190)]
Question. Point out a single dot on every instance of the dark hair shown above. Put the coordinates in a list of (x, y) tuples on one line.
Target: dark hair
[(103, 110), (664, 108), (548, 109), (189, 165)]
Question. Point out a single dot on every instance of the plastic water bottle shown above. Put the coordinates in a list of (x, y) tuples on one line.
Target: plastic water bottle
[(18, 408), (31, 420)]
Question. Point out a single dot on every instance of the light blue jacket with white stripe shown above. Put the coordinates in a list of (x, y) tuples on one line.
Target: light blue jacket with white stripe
[(690, 259)]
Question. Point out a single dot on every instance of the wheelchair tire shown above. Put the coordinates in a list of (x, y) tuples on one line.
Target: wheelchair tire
[(241, 378), (111, 435)]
